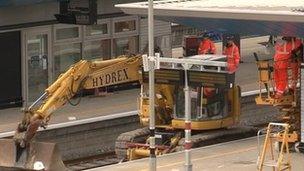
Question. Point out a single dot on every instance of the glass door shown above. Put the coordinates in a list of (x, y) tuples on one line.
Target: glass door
[(37, 53)]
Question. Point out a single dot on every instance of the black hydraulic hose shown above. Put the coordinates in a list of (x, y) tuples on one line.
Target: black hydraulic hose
[(79, 99), (73, 93)]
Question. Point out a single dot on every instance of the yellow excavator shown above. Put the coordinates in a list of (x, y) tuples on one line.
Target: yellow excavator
[(215, 104), (22, 152)]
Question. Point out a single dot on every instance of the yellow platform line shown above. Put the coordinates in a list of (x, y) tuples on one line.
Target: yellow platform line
[(208, 157)]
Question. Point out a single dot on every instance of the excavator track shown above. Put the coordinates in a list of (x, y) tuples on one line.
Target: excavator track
[(218, 136), (138, 136), (198, 139)]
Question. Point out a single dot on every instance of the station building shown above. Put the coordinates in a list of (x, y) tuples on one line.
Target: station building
[(35, 48)]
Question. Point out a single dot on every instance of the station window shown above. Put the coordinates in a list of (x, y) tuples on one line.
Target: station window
[(64, 56), (126, 45), (108, 38), (97, 49), (125, 26), (67, 33), (97, 30), (162, 44)]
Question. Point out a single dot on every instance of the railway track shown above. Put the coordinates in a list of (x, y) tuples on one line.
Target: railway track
[(111, 158), (92, 162)]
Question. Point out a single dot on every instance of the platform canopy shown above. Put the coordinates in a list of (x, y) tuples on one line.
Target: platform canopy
[(263, 17)]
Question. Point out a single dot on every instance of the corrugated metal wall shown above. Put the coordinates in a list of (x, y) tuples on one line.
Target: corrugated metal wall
[(161, 28)]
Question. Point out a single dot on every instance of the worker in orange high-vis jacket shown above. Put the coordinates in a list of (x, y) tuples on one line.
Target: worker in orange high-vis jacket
[(295, 60), (233, 55), (207, 45), (282, 57)]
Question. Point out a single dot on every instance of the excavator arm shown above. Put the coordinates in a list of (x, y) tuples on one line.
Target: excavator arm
[(82, 75)]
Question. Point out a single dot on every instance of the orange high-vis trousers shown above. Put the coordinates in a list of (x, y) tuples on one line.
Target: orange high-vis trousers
[(295, 66), (280, 76)]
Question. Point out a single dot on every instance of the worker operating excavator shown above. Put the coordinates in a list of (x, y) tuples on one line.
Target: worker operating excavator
[(233, 59), (233, 54), (207, 47), (286, 51)]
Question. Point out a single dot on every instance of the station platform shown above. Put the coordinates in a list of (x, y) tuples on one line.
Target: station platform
[(240, 155), (89, 107)]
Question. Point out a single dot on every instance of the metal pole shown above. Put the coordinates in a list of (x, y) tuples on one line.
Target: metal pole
[(302, 103), (152, 162), (187, 145)]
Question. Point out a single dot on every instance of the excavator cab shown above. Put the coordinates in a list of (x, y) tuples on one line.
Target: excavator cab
[(207, 104), (212, 106), (215, 99)]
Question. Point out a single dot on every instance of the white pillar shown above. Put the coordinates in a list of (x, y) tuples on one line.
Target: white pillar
[(187, 145), (152, 161)]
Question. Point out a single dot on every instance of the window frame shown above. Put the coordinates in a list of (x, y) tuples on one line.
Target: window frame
[(54, 54), (127, 33), (68, 40), (93, 40), (101, 36), (114, 39)]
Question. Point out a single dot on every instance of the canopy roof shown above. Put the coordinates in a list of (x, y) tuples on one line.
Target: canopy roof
[(279, 17)]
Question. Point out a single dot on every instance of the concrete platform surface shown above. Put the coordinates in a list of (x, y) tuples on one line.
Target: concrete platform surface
[(89, 107), (238, 155)]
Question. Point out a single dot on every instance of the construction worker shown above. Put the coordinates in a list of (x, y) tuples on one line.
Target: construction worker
[(284, 49), (295, 61), (207, 45), (233, 55)]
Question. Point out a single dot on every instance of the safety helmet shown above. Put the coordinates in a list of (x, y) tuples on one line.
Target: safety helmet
[(229, 37), (287, 38), (207, 35)]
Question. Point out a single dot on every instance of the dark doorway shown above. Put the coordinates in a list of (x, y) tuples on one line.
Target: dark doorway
[(10, 69)]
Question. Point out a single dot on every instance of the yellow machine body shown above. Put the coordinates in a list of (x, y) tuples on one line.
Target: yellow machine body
[(220, 109), (232, 118), (168, 98)]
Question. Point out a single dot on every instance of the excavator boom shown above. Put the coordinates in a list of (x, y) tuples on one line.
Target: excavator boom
[(82, 75)]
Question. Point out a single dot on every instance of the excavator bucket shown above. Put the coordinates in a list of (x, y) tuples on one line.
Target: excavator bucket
[(37, 156)]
